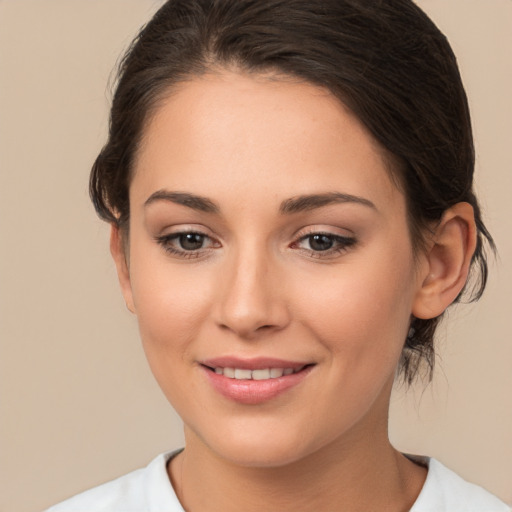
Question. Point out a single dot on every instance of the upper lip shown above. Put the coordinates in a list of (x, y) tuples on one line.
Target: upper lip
[(257, 363)]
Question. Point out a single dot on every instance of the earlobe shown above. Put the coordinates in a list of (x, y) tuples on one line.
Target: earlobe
[(118, 251), (448, 260)]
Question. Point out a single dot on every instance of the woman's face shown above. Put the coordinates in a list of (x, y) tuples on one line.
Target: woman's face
[(266, 237)]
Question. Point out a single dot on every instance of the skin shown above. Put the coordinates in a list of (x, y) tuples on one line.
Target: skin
[(257, 287)]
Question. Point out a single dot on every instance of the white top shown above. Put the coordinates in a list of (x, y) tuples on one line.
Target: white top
[(149, 490)]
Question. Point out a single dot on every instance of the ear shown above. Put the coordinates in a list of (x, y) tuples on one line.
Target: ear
[(118, 251), (447, 261)]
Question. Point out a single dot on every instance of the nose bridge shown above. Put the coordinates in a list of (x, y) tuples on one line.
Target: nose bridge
[(252, 301)]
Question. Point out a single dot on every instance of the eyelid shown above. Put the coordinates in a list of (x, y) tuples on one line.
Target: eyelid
[(169, 241), (343, 242), (321, 229), (165, 239), (325, 229), (178, 228)]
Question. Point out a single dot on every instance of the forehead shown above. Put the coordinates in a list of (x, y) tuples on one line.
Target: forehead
[(246, 132)]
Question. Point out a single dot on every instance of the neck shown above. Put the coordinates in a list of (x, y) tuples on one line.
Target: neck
[(350, 474)]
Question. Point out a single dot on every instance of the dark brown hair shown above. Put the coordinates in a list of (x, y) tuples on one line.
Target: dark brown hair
[(384, 59)]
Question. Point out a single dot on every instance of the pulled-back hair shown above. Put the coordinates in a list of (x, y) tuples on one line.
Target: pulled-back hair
[(384, 59)]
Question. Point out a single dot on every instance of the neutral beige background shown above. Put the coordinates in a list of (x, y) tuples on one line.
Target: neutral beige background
[(78, 404)]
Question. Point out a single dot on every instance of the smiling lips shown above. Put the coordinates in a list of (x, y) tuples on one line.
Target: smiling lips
[(253, 381), (262, 374)]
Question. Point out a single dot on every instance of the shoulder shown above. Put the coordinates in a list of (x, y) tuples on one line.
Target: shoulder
[(124, 493), (445, 491), (144, 490)]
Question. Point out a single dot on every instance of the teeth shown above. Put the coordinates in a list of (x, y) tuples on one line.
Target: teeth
[(262, 374), (229, 372), (276, 372), (243, 374)]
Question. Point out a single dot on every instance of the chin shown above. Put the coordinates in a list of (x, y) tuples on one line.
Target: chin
[(265, 446), (259, 455)]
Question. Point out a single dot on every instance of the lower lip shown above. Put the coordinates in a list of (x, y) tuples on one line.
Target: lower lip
[(252, 392)]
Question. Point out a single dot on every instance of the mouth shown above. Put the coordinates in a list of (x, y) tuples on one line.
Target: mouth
[(257, 374), (255, 381)]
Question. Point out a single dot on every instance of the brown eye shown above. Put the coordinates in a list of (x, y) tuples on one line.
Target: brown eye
[(320, 242), (187, 244), (191, 241), (324, 245)]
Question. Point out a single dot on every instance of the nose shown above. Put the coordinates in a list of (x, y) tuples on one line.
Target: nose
[(253, 299)]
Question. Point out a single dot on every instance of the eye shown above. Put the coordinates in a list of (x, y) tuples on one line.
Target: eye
[(321, 245), (191, 241), (187, 244), (320, 242)]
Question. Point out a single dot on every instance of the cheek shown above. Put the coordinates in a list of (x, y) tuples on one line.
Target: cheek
[(171, 305), (171, 302), (360, 311)]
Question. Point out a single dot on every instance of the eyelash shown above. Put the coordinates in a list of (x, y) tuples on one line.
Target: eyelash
[(340, 243), (166, 242)]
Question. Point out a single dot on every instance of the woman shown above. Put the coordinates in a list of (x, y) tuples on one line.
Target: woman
[(289, 185)]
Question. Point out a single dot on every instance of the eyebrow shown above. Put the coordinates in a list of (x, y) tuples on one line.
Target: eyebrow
[(202, 204), (289, 206), (313, 201)]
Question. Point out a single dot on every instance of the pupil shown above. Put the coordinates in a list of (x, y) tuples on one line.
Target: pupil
[(191, 241), (320, 242)]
